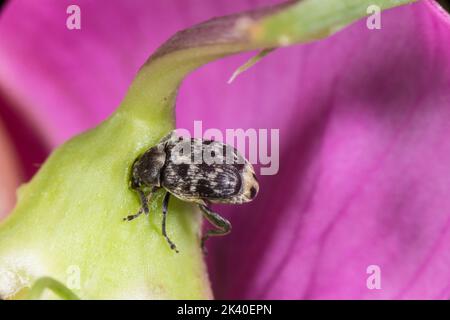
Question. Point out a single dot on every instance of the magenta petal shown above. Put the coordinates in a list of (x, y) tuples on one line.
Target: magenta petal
[(364, 172), (66, 81), (364, 118)]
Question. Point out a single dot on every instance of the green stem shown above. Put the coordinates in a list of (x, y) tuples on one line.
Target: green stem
[(310, 20), (55, 286)]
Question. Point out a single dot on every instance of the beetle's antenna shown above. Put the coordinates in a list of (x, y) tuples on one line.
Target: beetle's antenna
[(144, 206)]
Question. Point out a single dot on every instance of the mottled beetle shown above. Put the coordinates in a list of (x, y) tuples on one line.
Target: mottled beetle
[(194, 170)]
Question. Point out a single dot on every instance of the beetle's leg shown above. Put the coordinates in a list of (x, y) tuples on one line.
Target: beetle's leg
[(165, 205), (144, 207), (223, 225)]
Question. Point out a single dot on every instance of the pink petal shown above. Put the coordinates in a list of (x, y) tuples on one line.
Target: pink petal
[(364, 171), (65, 81), (363, 120)]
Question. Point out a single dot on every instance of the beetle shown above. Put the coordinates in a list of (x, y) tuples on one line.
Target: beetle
[(193, 170)]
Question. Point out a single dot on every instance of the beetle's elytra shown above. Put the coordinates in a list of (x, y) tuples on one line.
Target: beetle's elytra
[(194, 170)]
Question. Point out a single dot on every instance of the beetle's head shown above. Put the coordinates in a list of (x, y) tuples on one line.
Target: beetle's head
[(146, 171)]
